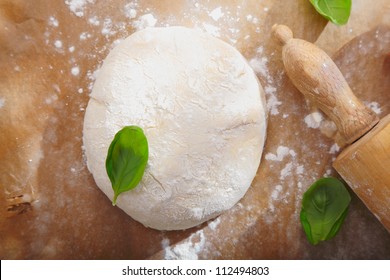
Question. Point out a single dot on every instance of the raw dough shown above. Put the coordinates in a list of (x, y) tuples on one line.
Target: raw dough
[(203, 112)]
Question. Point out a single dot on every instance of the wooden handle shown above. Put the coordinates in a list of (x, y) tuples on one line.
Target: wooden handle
[(314, 73)]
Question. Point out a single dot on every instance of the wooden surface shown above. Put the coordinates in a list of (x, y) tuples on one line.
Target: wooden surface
[(49, 51)]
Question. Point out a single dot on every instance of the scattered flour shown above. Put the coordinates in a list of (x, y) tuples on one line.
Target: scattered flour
[(259, 64), (188, 250), (147, 20), (165, 243), (252, 19), (216, 14), (275, 195), (328, 173), (53, 21), (107, 27), (2, 102), (291, 167), (272, 105), (334, 149), (49, 100), (300, 169), (78, 6), (85, 35), (374, 106), (276, 192), (314, 120), (281, 153), (75, 71), (94, 21), (213, 225), (130, 12), (58, 44), (286, 171)]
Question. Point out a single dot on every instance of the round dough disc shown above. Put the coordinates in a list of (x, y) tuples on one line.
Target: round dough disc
[(203, 112)]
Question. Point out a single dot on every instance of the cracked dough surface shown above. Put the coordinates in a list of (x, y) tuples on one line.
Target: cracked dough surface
[(203, 112)]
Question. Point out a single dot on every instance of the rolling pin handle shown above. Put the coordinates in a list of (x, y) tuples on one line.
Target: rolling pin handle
[(318, 78), (282, 33)]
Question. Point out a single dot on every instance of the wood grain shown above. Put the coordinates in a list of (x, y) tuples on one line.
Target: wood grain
[(365, 166)]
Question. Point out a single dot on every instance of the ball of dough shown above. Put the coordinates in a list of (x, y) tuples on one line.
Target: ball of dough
[(203, 112)]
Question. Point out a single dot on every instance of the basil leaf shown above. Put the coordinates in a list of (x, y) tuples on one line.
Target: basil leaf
[(126, 159), (324, 208), (337, 11)]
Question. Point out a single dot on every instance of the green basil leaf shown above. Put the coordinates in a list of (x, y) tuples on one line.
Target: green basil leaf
[(336, 227), (306, 227), (126, 159), (337, 11), (324, 208)]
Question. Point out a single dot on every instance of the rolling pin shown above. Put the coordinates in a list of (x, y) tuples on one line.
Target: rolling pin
[(364, 163)]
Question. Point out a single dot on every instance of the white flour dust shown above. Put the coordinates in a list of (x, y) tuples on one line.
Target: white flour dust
[(314, 120), (187, 250)]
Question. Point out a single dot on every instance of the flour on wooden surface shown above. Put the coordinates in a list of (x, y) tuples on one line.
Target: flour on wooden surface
[(2, 102), (314, 120), (147, 20), (53, 21), (188, 250), (280, 154), (58, 44), (107, 27), (213, 224), (94, 21), (165, 243), (85, 35), (130, 10), (216, 14), (374, 106), (334, 149), (75, 71), (276, 192), (77, 7)]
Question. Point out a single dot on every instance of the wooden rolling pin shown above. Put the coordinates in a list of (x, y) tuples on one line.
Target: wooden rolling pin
[(365, 163)]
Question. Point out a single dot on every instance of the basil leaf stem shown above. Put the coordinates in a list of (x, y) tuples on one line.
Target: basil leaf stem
[(337, 11), (324, 208), (126, 159)]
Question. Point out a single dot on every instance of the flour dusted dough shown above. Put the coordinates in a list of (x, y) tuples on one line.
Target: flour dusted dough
[(203, 112)]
